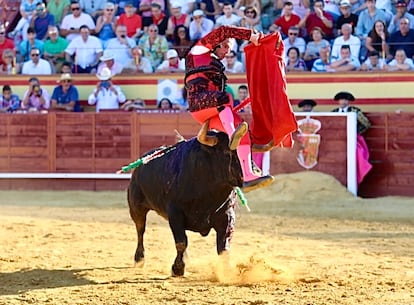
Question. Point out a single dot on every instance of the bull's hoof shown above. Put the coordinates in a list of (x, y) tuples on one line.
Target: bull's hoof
[(238, 135), (263, 148), (257, 183), (178, 269)]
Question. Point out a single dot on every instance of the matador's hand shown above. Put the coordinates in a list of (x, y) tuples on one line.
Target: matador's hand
[(255, 37)]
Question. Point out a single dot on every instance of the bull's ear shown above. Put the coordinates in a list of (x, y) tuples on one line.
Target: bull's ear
[(205, 139)]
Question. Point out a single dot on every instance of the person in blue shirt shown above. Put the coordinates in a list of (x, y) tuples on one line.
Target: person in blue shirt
[(9, 101), (65, 96)]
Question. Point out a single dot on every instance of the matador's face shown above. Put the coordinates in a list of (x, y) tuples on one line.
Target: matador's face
[(222, 49)]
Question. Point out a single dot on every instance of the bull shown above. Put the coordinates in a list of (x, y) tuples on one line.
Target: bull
[(192, 186)]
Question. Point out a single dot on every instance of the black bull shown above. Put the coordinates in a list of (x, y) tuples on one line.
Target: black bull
[(191, 186)]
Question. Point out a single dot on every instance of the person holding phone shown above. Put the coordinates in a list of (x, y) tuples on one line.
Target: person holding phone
[(121, 46)]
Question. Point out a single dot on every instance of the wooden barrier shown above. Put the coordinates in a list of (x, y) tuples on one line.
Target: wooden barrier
[(103, 142)]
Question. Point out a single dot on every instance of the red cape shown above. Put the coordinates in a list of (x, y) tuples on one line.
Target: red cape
[(272, 115)]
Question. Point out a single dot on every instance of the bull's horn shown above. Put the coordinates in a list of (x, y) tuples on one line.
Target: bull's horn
[(263, 148), (205, 139)]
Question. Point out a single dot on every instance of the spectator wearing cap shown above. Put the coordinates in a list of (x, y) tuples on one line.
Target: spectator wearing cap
[(401, 12), (5, 43), (71, 24), (177, 18), (347, 16), (318, 18), (121, 46), (307, 105), (36, 65), (84, 52), (108, 61), (138, 64), (367, 19), (106, 95), (373, 62), (186, 6), (158, 18), (200, 26), (145, 10), (172, 64), (287, 20), (65, 96), (105, 24), (58, 8), (94, 8), (9, 101), (346, 39), (41, 21), (403, 39), (231, 64), (293, 40), (35, 97), (153, 46), (54, 49), (28, 44), (131, 20), (121, 4), (400, 62), (228, 17)]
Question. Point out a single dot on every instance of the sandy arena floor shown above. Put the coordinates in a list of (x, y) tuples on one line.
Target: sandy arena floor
[(306, 241)]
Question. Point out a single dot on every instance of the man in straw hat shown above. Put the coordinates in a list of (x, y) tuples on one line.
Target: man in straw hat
[(65, 96)]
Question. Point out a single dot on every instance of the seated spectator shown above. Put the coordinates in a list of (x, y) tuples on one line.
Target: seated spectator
[(377, 39), (313, 47), (322, 64), (54, 49), (36, 65), (105, 24), (251, 19), (172, 64), (347, 16), (180, 103), (121, 46), (401, 12), (294, 40), (9, 101), (120, 5), (403, 39), (165, 104), (210, 9), (228, 18), (132, 105), (232, 64), (10, 65), (72, 23), (158, 18), (106, 95), (400, 62), (138, 64), (65, 68), (84, 52), (318, 18), (181, 41), (200, 26), (241, 5), (145, 10), (5, 43), (26, 45), (27, 11), (65, 96), (346, 62), (94, 8), (131, 20), (59, 9), (307, 105), (373, 62), (153, 46), (35, 98), (108, 61), (294, 62), (41, 21), (346, 39), (176, 19), (287, 20), (367, 19), (242, 94)]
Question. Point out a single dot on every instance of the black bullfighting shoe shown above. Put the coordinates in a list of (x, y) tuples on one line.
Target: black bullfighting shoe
[(263, 148), (257, 183), (238, 135)]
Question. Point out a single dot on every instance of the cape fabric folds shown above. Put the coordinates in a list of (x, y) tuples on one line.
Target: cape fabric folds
[(272, 115)]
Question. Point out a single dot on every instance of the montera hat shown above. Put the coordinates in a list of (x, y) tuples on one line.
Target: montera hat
[(343, 95), (307, 102)]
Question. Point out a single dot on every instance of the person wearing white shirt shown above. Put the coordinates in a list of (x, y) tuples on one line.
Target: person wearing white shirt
[(172, 64), (228, 18), (294, 41), (400, 62), (200, 26), (231, 64), (86, 50), (121, 46), (346, 39), (36, 65), (373, 62), (71, 24), (106, 95)]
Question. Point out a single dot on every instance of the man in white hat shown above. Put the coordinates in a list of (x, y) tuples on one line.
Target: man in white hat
[(108, 61), (65, 96), (172, 64), (200, 26), (106, 95)]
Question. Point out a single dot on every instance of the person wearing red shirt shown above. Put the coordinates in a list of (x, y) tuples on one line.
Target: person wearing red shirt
[(131, 20), (318, 18), (5, 43), (286, 20)]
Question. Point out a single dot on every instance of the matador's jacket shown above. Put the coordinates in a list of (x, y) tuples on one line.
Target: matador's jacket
[(205, 80), (363, 124)]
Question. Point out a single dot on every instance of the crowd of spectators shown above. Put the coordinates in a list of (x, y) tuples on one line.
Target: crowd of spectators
[(135, 32)]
